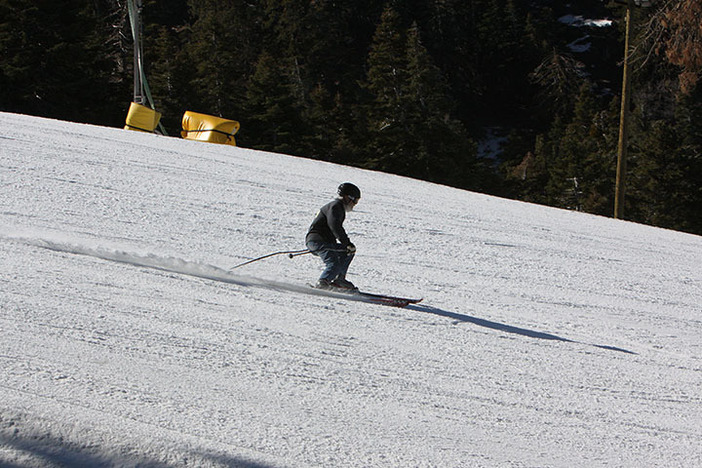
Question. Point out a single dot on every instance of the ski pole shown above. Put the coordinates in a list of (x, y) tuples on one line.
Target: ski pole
[(289, 253), (297, 254)]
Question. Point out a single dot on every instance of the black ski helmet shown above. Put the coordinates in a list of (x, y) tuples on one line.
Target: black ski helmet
[(347, 188)]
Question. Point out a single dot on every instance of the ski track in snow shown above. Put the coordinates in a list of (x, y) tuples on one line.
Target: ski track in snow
[(168, 264), (546, 338), (214, 273)]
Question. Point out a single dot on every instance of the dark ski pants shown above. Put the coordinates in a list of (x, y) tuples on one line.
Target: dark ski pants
[(335, 258)]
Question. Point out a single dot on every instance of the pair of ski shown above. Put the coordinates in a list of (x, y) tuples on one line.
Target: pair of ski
[(392, 301), (382, 299)]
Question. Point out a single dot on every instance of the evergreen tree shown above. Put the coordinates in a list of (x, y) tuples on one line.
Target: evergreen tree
[(581, 177), (450, 32), (506, 57), (548, 149), (530, 177), (665, 187), (320, 141), (442, 150), (222, 49), (656, 182), (559, 76), (318, 44), (169, 76), (54, 61), (272, 112), (387, 74), (689, 125), (332, 138), (411, 131), (167, 61)]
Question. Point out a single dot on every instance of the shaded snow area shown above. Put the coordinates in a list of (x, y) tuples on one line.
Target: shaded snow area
[(579, 21), (593, 35), (546, 338)]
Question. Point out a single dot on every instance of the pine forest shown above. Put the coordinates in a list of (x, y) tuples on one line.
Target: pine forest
[(519, 99)]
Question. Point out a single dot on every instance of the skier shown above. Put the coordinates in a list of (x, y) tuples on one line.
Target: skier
[(328, 240)]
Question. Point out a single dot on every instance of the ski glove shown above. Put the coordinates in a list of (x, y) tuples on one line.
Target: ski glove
[(350, 249)]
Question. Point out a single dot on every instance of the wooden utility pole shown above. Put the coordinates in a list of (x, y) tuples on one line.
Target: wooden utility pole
[(623, 144)]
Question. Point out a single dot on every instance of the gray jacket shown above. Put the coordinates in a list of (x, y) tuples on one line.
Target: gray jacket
[(328, 225)]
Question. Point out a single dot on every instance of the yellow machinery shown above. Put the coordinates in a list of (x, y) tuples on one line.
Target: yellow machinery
[(142, 118), (203, 127)]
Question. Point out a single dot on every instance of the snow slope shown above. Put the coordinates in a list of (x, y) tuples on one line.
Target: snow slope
[(546, 337)]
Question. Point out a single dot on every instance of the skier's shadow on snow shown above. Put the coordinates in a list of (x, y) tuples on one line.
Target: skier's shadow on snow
[(505, 328)]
